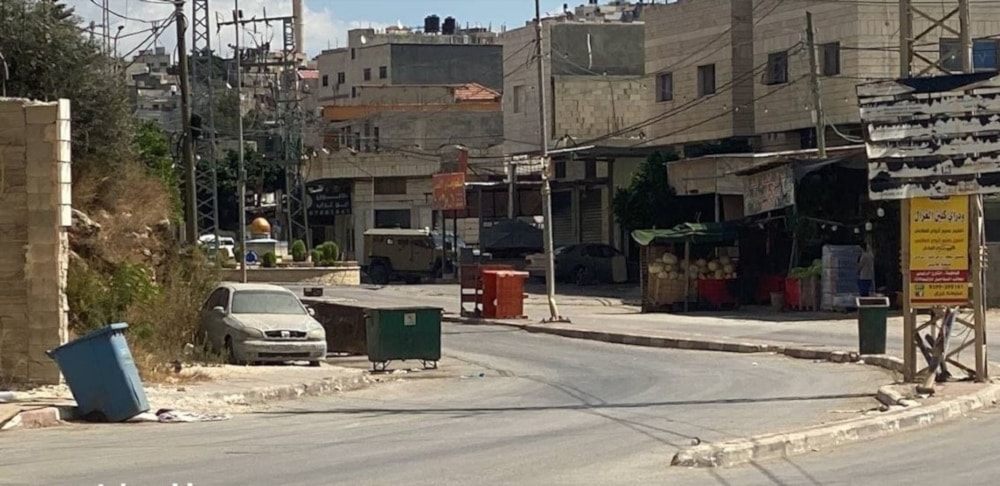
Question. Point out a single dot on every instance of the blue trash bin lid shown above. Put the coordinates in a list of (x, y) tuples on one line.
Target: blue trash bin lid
[(109, 329)]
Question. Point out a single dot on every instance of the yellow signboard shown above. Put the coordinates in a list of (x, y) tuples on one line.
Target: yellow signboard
[(939, 251)]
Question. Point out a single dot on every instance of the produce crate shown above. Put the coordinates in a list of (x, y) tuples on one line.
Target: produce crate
[(793, 293), (715, 293)]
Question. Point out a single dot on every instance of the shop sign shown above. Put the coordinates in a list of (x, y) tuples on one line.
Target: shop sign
[(449, 191), (768, 190), (328, 198), (939, 251)]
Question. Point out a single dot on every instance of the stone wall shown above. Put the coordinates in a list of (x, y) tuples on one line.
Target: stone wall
[(347, 274), (34, 214)]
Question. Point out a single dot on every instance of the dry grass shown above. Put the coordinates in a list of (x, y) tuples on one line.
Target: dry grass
[(131, 205)]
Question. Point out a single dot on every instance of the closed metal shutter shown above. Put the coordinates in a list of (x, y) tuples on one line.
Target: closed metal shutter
[(562, 218), (592, 217)]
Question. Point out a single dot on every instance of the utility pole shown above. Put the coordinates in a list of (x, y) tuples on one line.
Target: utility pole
[(543, 119), (187, 145), (511, 187), (242, 176), (818, 117)]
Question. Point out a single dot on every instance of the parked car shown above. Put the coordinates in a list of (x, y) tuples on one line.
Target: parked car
[(260, 323), (583, 264), (226, 244)]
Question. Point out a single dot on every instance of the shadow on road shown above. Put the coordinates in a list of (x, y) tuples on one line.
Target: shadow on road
[(573, 407)]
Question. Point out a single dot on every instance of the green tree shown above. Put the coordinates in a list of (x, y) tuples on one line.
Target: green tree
[(48, 58), (153, 146), (261, 173), (648, 201)]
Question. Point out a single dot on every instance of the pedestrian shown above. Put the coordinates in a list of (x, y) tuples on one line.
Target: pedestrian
[(866, 270)]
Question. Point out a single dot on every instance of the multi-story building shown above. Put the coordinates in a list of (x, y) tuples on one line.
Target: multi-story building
[(393, 102), (594, 66), (738, 70), (155, 90)]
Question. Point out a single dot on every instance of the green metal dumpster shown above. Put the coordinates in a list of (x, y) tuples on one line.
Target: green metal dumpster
[(872, 315), (403, 333)]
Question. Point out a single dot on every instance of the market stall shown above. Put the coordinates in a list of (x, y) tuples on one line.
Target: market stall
[(690, 264)]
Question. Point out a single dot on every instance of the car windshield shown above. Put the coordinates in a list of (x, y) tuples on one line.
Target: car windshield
[(266, 302)]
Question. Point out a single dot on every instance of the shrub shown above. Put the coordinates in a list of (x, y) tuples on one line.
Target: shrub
[(298, 250), (317, 257), (269, 260), (329, 253)]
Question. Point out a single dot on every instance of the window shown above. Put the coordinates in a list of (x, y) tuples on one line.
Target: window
[(368, 135), (706, 80), (219, 298), (354, 92), (266, 302), (368, 74), (392, 218), (984, 54), (353, 56), (375, 137), (590, 170), (831, 58), (777, 68), (519, 99), (383, 72), (560, 170), (390, 186), (665, 87), (326, 80), (341, 78)]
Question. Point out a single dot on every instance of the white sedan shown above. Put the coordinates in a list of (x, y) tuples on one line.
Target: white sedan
[(260, 323)]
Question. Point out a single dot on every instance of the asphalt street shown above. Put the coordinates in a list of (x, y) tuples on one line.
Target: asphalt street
[(528, 409)]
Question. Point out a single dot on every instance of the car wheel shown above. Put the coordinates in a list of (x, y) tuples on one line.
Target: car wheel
[(582, 276), (231, 353), (379, 274), (314, 364)]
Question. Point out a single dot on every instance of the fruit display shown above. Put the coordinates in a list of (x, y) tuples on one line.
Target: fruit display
[(670, 268)]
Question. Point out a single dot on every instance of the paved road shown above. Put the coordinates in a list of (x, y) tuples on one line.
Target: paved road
[(540, 410), (962, 452)]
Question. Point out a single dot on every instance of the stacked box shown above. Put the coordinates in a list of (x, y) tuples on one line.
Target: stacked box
[(839, 282)]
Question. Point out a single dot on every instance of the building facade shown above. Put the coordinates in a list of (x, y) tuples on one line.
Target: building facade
[(394, 103), (594, 68)]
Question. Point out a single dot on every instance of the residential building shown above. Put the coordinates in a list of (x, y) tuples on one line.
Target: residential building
[(155, 90), (394, 103), (735, 72), (594, 70)]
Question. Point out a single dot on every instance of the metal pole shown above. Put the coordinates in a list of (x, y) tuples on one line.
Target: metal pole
[(909, 319), (818, 117), (242, 176), (511, 187), (187, 145), (977, 236), (550, 265)]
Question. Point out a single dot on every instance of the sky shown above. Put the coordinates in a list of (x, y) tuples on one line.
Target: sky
[(326, 21)]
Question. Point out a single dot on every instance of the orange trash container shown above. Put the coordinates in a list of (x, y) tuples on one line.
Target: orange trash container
[(510, 294), (491, 288)]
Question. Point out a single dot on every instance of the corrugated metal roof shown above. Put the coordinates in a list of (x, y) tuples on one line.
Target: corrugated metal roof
[(475, 92), (308, 74)]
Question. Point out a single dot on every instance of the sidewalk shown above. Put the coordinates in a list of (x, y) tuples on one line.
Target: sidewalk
[(203, 390)]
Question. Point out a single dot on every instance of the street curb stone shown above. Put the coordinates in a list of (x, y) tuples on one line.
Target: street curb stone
[(55, 416), (773, 446)]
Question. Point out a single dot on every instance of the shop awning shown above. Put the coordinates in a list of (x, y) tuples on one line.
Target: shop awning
[(687, 232)]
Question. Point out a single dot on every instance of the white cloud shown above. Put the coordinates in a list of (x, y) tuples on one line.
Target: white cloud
[(322, 28)]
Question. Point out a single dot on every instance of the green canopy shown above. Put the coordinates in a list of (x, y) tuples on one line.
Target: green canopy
[(687, 232)]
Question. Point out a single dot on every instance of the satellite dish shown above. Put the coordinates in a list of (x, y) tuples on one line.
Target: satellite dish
[(364, 40)]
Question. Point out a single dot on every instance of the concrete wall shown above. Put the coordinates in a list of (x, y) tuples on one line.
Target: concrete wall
[(34, 213), (601, 49), (592, 106), (447, 64), (427, 131), (520, 87)]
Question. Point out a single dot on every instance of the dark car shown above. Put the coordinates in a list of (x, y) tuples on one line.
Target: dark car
[(586, 263)]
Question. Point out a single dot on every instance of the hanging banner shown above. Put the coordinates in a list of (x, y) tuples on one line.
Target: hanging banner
[(939, 251), (768, 190)]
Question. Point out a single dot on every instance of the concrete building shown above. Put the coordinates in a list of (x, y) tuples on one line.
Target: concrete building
[(155, 90), (394, 103), (736, 71), (594, 66)]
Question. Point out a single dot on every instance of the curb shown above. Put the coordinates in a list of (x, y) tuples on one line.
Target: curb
[(773, 446), (59, 415)]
